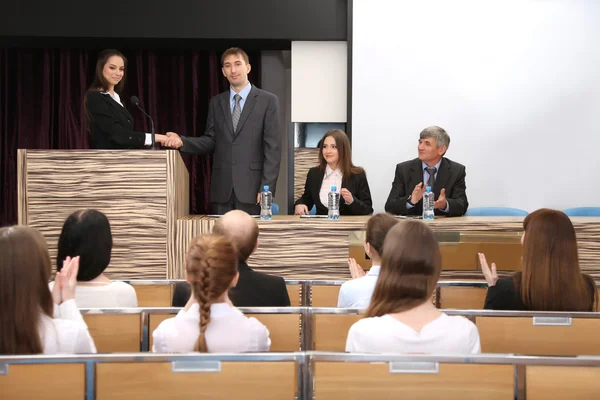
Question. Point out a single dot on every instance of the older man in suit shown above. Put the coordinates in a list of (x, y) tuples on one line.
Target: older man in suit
[(431, 168), (254, 289), (242, 130)]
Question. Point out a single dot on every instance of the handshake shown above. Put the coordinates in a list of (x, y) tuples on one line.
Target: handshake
[(171, 139)]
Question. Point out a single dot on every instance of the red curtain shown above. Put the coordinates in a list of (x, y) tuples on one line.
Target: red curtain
[(41, 105)]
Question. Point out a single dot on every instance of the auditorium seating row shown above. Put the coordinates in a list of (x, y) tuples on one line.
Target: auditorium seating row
[(300, 375), (325, 329), (321, 293)]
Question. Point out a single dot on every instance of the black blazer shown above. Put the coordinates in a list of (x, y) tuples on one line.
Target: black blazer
[(111, 125), (357, 185), (254, 289), (503, 295), (409, 174)]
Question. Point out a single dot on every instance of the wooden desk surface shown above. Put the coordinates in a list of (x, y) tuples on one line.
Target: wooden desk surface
[(316, 248)]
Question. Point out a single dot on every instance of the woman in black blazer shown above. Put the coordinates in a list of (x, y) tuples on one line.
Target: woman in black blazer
[(335, 165), (109, 122)]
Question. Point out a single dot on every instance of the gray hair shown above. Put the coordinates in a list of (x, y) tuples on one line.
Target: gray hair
[(439, 134)]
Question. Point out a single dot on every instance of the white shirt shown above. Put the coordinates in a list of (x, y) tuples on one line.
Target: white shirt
[(356, 293), (101, 295), (115, 96), (445, 334), (330, 178), (67, 332), (228, 331)]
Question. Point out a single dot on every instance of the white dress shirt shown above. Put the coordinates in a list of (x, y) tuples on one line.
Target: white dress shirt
[(446, 334), (67, 332), (228, 331), (356, 293), (115, 96), (330, 178), (103, 295)]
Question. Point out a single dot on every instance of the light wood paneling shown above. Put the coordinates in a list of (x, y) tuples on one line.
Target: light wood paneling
[(304, 159), (325, 296), (237, 380), (294, 292), (558, 383), (349, 381), (519, 335), (330, 331), (115, 333), (43, 381), (464, 298), (153, 295)]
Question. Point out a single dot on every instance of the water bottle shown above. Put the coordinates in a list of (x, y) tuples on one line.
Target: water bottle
[(333, 204), (428, 204), (266, 203)]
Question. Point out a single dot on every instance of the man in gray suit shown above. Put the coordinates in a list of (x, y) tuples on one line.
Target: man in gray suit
[(242, 130)]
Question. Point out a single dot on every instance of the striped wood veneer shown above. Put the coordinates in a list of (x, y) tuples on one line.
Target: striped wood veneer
[(141, 192), (304, 159)]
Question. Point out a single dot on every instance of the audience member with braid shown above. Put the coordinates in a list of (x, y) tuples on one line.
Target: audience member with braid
[(209, 322)]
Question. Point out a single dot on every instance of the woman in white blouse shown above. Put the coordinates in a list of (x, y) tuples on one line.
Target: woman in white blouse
[(402, 317), (34, 320), (209, 322), (86, 233)]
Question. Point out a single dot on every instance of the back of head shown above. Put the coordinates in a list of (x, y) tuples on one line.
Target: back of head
[(411, 264), (86, 233), (551, 279), (241, 229), (24, 294), (377, 228), (210, 265)]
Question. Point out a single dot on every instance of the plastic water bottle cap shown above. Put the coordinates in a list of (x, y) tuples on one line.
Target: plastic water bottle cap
[(266, 187), (428, 188), (333, 188)]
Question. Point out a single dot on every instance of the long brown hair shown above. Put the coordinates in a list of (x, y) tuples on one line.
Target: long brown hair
[(211, 265), (410, 268), (550, 279), (100, 84), (24, 274), (344, 152)]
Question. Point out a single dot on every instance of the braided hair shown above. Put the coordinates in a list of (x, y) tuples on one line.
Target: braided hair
[(211, 265)]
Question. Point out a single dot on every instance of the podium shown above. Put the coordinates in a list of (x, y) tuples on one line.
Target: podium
[(142, 192)]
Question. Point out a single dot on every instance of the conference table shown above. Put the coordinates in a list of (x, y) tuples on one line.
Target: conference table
[(317, 248)]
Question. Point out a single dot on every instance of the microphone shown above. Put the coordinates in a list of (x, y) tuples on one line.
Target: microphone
[(136, 102)]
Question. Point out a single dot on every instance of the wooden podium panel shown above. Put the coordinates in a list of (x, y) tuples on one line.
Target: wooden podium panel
[(142, 192)]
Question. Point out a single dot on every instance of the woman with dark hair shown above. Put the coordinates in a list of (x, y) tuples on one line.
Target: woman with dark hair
[(34, 320), (109, 122), (86, 234), (336, 169), (357, 292), (402, 317), (209, 322), (550, 279)]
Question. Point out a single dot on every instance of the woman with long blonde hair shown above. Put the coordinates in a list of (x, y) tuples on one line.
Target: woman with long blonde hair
[(209, 322)]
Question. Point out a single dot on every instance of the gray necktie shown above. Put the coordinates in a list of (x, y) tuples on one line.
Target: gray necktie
[(431, 171), (237, 111)]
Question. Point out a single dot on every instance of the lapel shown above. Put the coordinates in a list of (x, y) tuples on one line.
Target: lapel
[(442, 176), (120, 109), (227, 110), (248, 106), (316, 187), (416, 174)]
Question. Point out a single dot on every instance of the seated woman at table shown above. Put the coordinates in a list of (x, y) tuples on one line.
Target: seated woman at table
[(34, 320), (550, 278), (86, 234), (402, 317), (336, 168), (210, 322)]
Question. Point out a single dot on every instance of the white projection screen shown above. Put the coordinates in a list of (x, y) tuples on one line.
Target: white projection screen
[(516, 83)]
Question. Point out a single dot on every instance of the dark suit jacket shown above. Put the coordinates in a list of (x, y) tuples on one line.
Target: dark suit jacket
[(357, 185), (111, 125), (451, 177), (244, 160), (504, 296), (254, 289)]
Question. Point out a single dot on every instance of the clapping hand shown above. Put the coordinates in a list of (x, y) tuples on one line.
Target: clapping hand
[(356, 270), (490, 275), (66, 281), (417, 193), (441, 202), (347, 196)]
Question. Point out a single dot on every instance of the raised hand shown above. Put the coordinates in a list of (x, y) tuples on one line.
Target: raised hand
[(490, 275), (67, 278)]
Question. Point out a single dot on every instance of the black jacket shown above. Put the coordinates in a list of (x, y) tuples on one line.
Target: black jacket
[(111, 125), (254, 289), (357, 185)]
